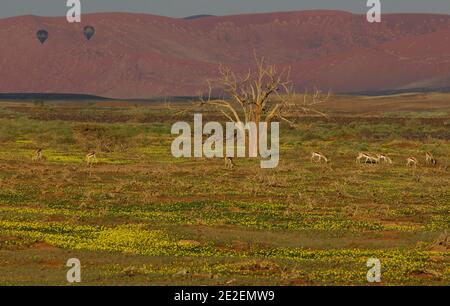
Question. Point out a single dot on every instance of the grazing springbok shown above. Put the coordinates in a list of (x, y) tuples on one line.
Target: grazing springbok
[(367, 159), (384, 159), (229, 163), (317, 157), (430, 160), (91, 158), (37, 155), (412, 162)]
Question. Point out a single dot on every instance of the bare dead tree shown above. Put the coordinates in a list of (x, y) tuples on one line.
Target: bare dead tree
[(252, 96), (263, 94)]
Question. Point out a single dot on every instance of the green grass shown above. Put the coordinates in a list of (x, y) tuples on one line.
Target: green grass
[(140, 216)]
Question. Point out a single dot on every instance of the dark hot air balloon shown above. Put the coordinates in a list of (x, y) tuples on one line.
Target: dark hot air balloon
[(89, 31), (42, 35)]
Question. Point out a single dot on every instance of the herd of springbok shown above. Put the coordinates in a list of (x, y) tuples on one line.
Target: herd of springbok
[(367, 158), (316, 157), (91, 158)]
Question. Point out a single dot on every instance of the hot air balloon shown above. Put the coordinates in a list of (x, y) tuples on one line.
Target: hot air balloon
[(89, 31), (42, 35)]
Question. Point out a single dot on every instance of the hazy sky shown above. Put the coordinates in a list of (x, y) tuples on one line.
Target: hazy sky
[(183, 8)]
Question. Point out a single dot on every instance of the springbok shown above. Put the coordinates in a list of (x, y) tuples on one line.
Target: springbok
[(412, 162), (91, 158), (317, 157), (229, 163), (385, 159), (430, 160), (37, 155), (368, 159)]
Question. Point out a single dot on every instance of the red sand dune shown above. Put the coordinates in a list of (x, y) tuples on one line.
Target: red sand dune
[(138, 56)]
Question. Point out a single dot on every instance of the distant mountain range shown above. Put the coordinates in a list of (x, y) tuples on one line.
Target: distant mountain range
[(143, 56)]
